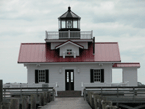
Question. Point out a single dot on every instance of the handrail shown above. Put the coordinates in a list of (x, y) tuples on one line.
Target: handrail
[(30, 88), (125, 91), (19, 91), (116, 87), (69, 34)]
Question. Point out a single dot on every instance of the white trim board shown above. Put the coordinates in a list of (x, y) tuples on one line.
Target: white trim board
[(68, 43)]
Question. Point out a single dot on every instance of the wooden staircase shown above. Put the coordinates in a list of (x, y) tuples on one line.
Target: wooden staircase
[(69, 93)]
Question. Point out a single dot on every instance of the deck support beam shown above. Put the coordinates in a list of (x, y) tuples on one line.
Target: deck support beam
[(129, 107)]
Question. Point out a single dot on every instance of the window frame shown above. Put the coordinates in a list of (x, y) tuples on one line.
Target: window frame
[(40, 73), (99, 76), (69, 50)]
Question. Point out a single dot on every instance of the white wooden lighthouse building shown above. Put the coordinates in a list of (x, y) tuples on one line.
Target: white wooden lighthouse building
[(71, 58)]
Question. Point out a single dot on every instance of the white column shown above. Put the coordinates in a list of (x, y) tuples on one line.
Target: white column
[(56, 89), (64, 54), (82, 85), (69, 34), (74, 54)]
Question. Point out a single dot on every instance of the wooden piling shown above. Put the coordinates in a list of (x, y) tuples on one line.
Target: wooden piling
[(41, 99), (111, 107), (6, 106), (45, 97), (1, 93), (33, 101), (96, 104), (48, 97), (106, 103), (14, 104), (25, 102)]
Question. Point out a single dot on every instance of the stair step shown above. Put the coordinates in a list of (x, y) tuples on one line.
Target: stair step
[(69, 93)]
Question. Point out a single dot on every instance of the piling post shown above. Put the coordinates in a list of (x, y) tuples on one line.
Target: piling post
[(6, 106), (1, 93), (37, 94), (41, 101), (105, 103), (25, 102), (133, 93), (14, 104), (111, 107), (45, 97), (33, 101), (96, 104)]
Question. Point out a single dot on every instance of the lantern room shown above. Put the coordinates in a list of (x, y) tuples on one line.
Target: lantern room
[(69, 21)]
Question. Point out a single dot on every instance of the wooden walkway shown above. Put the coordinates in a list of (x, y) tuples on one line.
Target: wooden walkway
[(68, 103)]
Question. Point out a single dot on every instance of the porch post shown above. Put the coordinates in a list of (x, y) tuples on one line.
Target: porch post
[(82, 85), (56, 89)]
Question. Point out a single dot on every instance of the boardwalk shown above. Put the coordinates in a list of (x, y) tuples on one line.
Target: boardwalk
[(68, 103)]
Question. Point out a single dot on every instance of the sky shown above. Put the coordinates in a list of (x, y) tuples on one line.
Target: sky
[(25, 21)]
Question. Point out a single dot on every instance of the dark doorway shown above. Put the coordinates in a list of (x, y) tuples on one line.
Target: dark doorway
[(69, 79)]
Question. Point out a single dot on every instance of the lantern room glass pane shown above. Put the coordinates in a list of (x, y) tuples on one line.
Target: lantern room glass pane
[(69, 23), (63, 23), (75, 25)]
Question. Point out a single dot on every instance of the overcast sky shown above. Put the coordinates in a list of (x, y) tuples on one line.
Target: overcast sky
[(23, 21)]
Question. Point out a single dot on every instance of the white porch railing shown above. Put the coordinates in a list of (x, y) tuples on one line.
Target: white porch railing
[(69, 34)]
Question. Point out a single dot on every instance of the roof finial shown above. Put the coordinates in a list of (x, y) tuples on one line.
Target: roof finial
[(69, 8)]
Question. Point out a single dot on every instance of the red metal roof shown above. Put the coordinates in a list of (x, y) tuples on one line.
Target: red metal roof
[(69, 41), (41, 52), (121, 65)]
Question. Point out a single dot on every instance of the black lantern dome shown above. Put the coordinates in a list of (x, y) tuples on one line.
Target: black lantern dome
[(69, 21)]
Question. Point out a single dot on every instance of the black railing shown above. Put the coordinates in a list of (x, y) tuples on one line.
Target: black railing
[(26, 91), (135, 94)]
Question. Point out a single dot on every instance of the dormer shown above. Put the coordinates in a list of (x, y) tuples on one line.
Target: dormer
[(69, 39), (69, 48)]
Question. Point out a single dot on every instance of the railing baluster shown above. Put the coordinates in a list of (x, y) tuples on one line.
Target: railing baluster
[(101, 91), (133, 93), (69, 34), (37, 93), (4, 93), (117, 91)]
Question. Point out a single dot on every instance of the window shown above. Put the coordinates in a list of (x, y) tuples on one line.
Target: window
[(41, 76), (69, 51), (75, 25), (63, 23), (97, 75), (69, 23)]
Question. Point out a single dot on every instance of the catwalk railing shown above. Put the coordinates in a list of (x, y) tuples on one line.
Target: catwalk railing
[(69, 34)]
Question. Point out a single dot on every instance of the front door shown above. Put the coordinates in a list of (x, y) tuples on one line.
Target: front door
[(69, 79)]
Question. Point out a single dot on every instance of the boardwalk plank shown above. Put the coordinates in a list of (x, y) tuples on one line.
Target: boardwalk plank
[(67, 103)]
